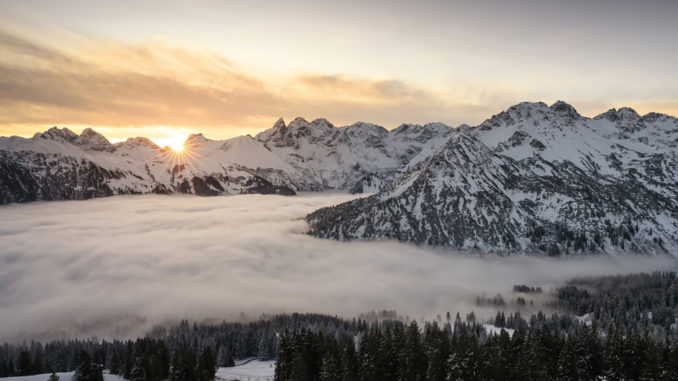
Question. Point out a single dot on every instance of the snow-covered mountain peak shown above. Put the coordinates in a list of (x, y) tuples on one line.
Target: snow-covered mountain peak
[(91, 140), (625, 118), (58, 134), (301, 123), (298, 122), (624, 114), (532, 179), (139, 141), (652, 117), (366, 125), (525, 108), (322, 122), (279, 124), (365, 129), (565, 109), (194, 139)]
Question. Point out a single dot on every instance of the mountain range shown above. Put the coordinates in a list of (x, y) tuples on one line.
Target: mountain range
[(531, 179), (302, 156)]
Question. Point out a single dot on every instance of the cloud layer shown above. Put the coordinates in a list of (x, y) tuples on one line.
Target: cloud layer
[(156, 87), (166, 257), (124, 85)]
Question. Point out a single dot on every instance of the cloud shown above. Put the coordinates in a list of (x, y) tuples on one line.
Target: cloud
[(126, 85), (109, 83), (121, 87), (137, 260)]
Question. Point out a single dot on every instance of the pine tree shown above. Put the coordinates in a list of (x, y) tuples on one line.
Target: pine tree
[(53, 377), (613, 364), (182, 366), (87, 370), (463, 363), (4, 372), (263, 350), (349, 362), (138, 373), (25, 366), (113, 361), (224, 357), (330, 370), (438, 351), (37, 366), (298, 368), (11, 371), (369, 356), (207, 366), (567, 361), (414, 356), (284, 363)]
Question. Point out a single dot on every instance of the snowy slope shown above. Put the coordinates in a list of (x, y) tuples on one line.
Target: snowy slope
[(59, 164), (532, 179), (359, 157), (253, 370)]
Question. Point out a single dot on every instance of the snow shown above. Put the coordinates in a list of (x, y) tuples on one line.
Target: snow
[(302, 156), (254, 370), (492, 329), (62, 376), (587, 318)]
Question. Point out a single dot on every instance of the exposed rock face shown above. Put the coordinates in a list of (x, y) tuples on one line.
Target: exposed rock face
[(532, 179)]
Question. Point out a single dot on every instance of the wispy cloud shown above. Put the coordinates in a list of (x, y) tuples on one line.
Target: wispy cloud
[(115, 84), (123, 87), (167, 257)]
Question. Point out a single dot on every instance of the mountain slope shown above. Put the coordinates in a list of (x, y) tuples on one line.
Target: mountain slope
[(532, 179), (359, 157), (309, 156), (60, 165)]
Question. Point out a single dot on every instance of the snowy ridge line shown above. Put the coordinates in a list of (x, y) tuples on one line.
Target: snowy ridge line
[(532, 179), (302, 156)]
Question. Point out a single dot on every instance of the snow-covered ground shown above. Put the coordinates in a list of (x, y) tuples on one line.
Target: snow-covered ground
[(254, 370), (62, 376)]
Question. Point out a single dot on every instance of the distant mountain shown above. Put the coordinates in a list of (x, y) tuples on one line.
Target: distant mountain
[(532, 179), (359, 157), (60, 165), (304, 156)]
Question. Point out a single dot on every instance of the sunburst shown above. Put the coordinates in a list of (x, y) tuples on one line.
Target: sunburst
[(180, 155)]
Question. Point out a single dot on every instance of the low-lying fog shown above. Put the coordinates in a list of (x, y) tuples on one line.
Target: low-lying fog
[(166, 257)]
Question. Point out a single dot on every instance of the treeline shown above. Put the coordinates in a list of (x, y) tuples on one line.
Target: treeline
[(186, 348), (144, 359), (621, 327), (644, 302), (397, 351)]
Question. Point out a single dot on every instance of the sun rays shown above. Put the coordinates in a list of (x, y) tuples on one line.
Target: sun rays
[(179, 156)]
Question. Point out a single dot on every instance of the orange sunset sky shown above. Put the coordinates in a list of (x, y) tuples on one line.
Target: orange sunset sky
[(164, 69)]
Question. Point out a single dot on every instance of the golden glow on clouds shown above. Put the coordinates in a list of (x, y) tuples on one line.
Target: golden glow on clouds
[(166, 92)]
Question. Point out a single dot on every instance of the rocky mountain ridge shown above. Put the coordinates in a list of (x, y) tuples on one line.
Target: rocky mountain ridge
[(302, 156), (532, 179)]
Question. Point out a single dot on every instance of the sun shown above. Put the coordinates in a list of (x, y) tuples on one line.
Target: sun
[(176, 146), (174, 142)]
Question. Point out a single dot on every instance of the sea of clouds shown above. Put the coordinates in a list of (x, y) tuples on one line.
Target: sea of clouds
[(106, 263)]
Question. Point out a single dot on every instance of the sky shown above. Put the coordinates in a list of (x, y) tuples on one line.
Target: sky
[(226, 68), (115, 266)]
